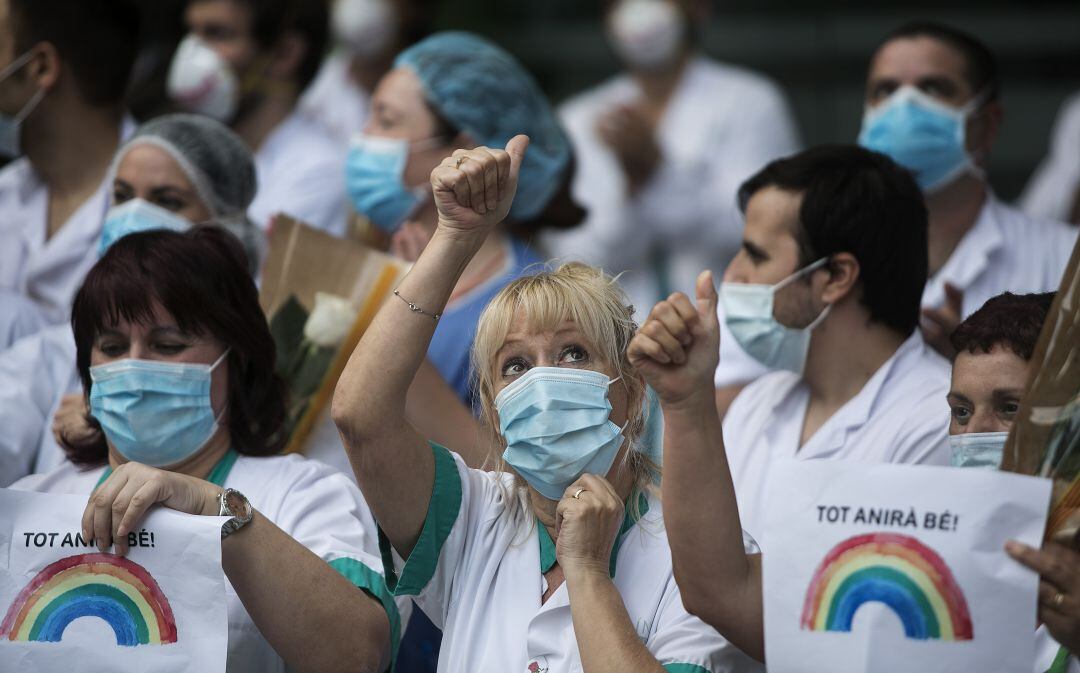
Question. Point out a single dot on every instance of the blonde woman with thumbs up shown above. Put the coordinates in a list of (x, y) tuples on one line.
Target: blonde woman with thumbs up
[(558, 560)]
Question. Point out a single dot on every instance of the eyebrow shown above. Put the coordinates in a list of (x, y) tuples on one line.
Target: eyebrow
[(512, 340), (754, 250), (1008, 392), (957, 396)]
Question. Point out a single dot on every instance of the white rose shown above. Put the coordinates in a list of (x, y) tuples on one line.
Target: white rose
[(330, 321)]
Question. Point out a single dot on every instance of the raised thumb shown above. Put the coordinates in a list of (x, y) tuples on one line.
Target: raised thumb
[(516, 149), (706, 298)]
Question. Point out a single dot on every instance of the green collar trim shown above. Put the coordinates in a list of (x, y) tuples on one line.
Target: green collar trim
[(1061, 662), (443, 509), (373, 584), (217, 476), (547, 545)]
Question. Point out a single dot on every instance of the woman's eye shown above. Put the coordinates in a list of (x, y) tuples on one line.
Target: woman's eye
[(167, 203), (514, 367), (169, 348), (1010, 408), (961, 414), (574, 354), (119, 197), (112, 350)]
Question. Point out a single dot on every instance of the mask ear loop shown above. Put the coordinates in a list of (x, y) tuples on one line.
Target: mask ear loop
[(813, 266)]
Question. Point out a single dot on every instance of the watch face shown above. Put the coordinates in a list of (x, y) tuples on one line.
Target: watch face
[(237, 504)]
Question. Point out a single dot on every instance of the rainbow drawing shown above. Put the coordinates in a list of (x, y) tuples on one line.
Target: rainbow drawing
[(896, 570), (105, 586)]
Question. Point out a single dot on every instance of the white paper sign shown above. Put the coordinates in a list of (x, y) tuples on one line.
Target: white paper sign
[(67, 607), (897, 568)]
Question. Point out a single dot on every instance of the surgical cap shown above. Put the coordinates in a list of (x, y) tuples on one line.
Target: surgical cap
[(482, 90), (219, 165)]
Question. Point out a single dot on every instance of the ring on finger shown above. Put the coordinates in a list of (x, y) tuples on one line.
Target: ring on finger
[(578, 493), (1058, 599), (461, 160)]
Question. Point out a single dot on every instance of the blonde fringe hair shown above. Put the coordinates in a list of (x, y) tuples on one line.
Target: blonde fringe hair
[(598, 307)]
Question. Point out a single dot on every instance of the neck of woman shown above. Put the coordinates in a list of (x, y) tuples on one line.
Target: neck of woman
[(199, 465)]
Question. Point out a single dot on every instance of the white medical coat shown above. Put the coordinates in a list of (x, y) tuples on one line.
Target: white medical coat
[(314, 504), (1006, 250), (721, 125), (35, 374), (1046, 650), (301, 172), (335, 100), (49, 272), (477, 572), (19, 317), (899, 416), (1050, 192)]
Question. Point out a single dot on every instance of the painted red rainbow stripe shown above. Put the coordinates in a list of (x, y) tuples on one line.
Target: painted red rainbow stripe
[(106, 586), (896, 570)]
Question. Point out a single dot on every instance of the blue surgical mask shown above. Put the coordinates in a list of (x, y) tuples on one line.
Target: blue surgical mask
[(374, 179), (921, 134), (11, 125), (978, 449), (134, 216), (748, 314), (556, 425), (155, 413)]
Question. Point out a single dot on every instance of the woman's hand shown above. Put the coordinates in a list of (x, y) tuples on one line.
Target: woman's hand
[(586, 525), (473, 189), (678, 348), (1059, 588), (70, 420), (116, 506)]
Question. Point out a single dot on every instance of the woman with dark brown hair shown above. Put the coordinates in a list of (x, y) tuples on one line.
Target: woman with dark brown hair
[(177, 364)]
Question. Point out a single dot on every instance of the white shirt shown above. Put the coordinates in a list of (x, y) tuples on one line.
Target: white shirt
[(35, 374), (49, 272), (476, 571), (899, 416), (301, 172), (1004, 251), (335, 100), (1046, 650), (1052, 188), (721, 125), (19, 316), (312, 503)]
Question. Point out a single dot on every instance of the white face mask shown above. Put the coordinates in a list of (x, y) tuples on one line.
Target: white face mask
[(978, 449), (11, 126), (748, 314), (647, 34), (203, 82), (366, 27)]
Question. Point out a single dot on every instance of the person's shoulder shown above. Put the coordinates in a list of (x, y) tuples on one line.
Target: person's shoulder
[(302, 141), (1018, 227), (725, 79), (65, 478), (589, 103)]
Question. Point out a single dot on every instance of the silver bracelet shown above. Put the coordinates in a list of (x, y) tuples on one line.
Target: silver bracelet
[(416, 309)]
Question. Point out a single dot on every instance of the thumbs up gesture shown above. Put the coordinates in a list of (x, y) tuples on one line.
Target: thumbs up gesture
[(678, 347), (473, 189)]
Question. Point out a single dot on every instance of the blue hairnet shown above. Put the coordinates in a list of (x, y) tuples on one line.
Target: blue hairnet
[(482, 90)]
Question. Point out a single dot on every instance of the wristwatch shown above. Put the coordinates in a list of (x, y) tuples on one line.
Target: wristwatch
[(234, 504)]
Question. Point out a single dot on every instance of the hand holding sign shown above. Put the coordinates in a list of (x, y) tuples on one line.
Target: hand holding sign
[(116, 507)]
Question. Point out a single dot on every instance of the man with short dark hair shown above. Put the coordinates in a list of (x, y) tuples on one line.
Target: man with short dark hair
[(932, 99), (826, 291), (246, 63), (64, 68)]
